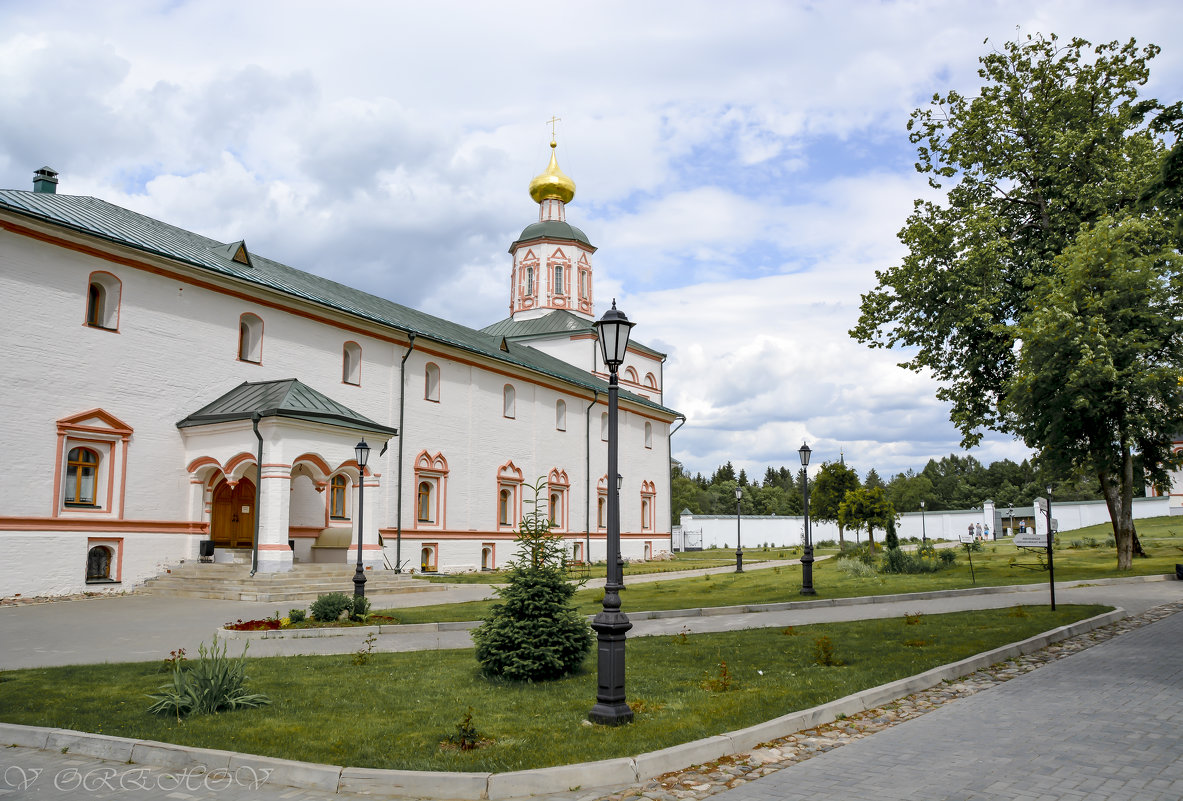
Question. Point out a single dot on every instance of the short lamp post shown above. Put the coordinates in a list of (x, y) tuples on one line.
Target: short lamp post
[(1051, 566), (738, 547), (923, 525), (362, 452), (807, 555), (610, 623), (1011, 514)]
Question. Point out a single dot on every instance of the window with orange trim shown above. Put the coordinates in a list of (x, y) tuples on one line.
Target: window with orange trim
[(82, 467), (338, 493)]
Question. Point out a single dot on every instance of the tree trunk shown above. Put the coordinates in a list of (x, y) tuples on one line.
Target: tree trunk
[(871, 539), (841, 539), (1119, 499)]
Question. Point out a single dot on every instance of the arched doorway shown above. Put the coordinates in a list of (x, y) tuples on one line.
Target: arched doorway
[(233, 521)]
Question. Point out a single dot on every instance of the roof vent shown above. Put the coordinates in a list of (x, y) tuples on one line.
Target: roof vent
[(235, 251), (45, 181)]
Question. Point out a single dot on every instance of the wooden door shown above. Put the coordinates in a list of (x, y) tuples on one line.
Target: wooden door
[(233, 523)]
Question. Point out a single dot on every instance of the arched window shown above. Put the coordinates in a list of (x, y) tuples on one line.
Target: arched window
[(558, 287), (338, 492), (505, 507), (351, 363), (431, 490), (554, 508), (530, 281), (102, 301), (487, 556), (424, 507), (81, 477), (427, 554), (583, 279), (602, 513), (250, 338), (648, 434), (645, 516), (630, 375), (508, 397), (604, 426), (98, 564), (650, 381), (431, 382), (561, 415)]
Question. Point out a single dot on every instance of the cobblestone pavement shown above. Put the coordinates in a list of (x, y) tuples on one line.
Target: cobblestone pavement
[(1103, 726), (1070, 731)]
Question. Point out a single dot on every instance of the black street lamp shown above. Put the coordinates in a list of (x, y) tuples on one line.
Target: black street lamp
[(362, 452), (923, 524), (610, 623), (1051, 566), (738, 547), (807, 555)]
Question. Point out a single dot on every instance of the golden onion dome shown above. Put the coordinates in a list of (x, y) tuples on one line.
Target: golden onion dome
[(552, 183)]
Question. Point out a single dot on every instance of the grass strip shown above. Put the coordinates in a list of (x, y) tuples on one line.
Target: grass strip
[(394, 710), (991, 567)]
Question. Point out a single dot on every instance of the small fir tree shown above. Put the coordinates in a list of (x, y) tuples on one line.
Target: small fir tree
[(535, 634)]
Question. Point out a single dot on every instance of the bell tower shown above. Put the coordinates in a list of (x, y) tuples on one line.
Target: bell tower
[(552, 266)]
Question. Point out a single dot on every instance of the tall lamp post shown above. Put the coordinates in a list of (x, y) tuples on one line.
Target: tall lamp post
[(807, 555), (1051, 567), (923, 524), (610, 623), (738, 547), (362, 452)]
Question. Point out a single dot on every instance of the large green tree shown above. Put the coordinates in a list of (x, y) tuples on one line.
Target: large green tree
[(1098, 376), (833, 481), (1056, 141), (867, 506)]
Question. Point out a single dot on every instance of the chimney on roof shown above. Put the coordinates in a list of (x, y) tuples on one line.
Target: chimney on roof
[(45, 181)]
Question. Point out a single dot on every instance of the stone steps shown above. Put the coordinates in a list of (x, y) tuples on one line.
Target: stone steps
[(305, 582)]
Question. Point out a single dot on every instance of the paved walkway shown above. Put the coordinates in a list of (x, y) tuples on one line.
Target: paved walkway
[(1101, 725)]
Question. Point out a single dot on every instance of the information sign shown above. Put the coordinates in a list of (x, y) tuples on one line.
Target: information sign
[(1030, 539)]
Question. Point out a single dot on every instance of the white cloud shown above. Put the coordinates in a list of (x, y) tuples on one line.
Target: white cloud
[(744, 167)]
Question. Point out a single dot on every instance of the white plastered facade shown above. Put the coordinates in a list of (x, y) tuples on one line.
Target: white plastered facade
[(119, 389)]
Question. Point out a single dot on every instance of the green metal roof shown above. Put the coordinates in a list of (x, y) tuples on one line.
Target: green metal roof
[(551, 229), (559, 321), (112, 223), (284, 398)]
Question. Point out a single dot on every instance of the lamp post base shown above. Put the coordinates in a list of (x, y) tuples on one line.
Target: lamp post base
[(739, 561), (611, 708), (807, 572), (359, 583)]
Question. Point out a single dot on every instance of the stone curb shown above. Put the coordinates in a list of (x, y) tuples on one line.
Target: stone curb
[(706, 611), (520, 784)]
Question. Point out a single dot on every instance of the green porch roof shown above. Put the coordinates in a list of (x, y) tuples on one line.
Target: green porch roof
[(112, 223), (284, 398)]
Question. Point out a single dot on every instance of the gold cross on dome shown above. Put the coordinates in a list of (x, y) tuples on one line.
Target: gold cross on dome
[(551, 122)]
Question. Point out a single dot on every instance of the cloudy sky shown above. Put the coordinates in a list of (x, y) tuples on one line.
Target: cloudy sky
[(743, 166)]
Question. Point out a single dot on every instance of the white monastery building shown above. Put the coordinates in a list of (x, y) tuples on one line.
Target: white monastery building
[(150, 371)]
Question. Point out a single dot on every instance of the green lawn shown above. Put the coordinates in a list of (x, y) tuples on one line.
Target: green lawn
[(779, 584), (394, 711), (690, 560)]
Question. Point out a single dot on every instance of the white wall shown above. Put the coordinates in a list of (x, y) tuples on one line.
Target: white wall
[(176, 350), (783, 531)]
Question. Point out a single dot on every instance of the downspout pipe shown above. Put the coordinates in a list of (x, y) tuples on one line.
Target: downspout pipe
[(587, 472), (258, 493), (402, 435), (669, 460)]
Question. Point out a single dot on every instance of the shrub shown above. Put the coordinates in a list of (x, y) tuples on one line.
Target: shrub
[(211, 683), (466, 737), (296, 615), (926, 550), (535, 633), (359, 608), (823, 653), (856, 569), (328, 608), (826, 544), (947, 556), (899, 561)]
